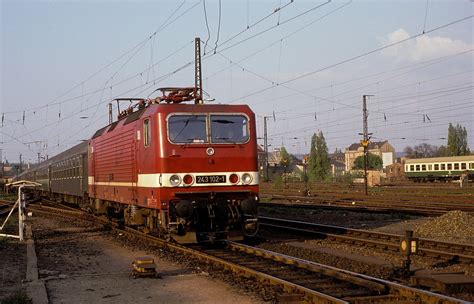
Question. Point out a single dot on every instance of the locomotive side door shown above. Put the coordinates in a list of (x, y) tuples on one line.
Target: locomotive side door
[(93, 174), (135, 171)]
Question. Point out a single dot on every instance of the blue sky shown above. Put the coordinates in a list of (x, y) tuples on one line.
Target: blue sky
[(50, 50)]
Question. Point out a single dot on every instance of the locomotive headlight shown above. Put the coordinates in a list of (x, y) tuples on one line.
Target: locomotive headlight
[(175, 180), (246, 178)]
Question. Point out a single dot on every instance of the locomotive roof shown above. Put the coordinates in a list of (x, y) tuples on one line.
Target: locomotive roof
[(170, 108), (440, 159)]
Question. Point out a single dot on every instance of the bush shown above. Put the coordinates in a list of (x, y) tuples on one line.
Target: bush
[(278, 182)]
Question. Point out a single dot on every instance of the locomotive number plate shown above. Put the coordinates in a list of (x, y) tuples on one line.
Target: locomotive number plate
[(210, 179)]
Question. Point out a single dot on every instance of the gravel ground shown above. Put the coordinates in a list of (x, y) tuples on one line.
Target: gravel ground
[(95, 264), (12, 264), (454, 226), (350, 219), (245, 286)]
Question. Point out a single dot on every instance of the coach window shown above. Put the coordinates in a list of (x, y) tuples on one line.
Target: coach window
[(463, 166), (423, 167), (417, 167), (471, 166), (443, 166), (436, 167), (456, 166), (146, 132), (412, 167), (450, 166), (430, 167)]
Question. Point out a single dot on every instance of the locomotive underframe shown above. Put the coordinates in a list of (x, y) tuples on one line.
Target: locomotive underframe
[(191, 216)]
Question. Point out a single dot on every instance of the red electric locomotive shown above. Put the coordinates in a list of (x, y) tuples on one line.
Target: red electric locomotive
[(185, 170)]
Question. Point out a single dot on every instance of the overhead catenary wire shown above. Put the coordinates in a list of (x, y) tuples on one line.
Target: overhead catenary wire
[(140, 44), (282, 38), (207, 26), (218, 27), (271, 27), (145, 85), (354, 58)]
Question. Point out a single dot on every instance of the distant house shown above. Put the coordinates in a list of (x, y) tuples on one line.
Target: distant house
[(381, 148), (338, 168), (337, 155), (274, 159), (395, 171)]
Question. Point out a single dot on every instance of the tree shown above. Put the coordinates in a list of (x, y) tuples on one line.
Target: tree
[(319, 167), (442, 151), (457, 141), (285, 158), (375, 162), (421, 151)]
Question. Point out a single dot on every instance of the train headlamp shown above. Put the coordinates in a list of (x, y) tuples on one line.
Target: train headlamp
[(175, 180), (246, 178)]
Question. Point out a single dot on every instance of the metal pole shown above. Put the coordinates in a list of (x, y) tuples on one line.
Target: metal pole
[(366, 148), (110, 113), (20, 165), (20, 213), (365, 141), (265, 144), (197, 72)]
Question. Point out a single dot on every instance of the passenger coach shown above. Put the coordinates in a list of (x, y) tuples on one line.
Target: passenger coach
[(439, 168)]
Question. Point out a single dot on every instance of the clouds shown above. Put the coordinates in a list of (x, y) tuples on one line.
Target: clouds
[(421, 48)]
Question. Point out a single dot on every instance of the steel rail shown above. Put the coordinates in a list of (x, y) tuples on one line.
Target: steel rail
[(356, 208), (427, 247), (395, 288), (308, 294), (374, 200)]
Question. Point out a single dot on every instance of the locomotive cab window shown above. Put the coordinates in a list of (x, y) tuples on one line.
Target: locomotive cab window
[(146, 132), (184, 129), (229, 129)]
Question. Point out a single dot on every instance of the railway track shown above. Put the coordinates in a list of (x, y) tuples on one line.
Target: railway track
[(5, 207), (434, 196), (385, 241), (298, 279), (426, 209)]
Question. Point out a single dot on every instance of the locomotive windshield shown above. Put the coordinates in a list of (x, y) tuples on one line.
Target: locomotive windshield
[(187, 129), (223, 129), (229, 129)]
